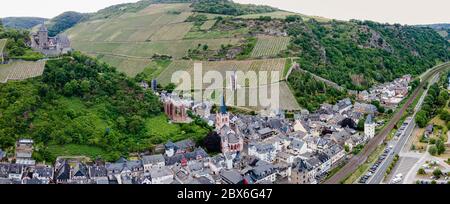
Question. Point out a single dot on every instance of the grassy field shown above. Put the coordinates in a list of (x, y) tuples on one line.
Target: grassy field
[(160, 130), (154, 69), (267, 46), (77, 150), (20, 70)]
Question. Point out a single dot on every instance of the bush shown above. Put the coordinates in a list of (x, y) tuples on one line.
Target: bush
[(433, 150), (437, 173), (421, 171)]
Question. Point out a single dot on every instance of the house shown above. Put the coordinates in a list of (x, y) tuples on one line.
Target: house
[(265, 152), (300, 126), (298, 146), (284, 157), (4, 170), (265, 133), (343, 105), (179, 147), (369, 127), (62, 172), (79, 173), (44, 174), (16, 171), (99, 174), (184, 158), (161, 175), (231, 177), (153, 161), (353, 141), (123, 169), (335, 153), (363, 95), (325, 163), (263, 172), (24, 151), (303, 172)]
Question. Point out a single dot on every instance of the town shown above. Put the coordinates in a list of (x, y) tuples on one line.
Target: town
[(281, 148)]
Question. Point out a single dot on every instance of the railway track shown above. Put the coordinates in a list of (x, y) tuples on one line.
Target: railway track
[(359, 159)]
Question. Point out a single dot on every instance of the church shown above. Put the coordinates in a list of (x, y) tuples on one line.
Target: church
[(231, 140), (50, 46)]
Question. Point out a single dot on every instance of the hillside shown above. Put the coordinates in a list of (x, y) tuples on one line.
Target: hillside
[(149, 38), (22, 22), (64, 21), (442, 29), (79, 101)]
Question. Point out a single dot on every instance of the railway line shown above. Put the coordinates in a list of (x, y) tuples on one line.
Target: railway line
[(359, 159)]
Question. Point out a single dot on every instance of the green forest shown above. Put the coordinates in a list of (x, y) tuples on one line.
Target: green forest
[(227, 7), (311, 93), (79, 102)]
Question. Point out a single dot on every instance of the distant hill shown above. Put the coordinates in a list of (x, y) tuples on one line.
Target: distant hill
[(22, 22), (64, 21), (443, 29)]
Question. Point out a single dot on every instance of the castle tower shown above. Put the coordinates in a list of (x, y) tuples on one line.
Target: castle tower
[(43, 37), (222, 117)]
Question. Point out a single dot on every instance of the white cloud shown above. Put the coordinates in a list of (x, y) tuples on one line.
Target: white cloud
[(391, 11)]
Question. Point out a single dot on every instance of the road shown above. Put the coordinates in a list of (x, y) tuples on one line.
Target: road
[(398, 142), (359, 159)]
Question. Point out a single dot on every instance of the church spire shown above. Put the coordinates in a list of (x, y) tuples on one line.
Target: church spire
[(223, 106)]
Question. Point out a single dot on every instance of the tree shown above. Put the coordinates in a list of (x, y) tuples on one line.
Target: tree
[(205, 47), (437, 173), (85, 86), (170, 87), (360, 125), (421, 171), (433, 150), (212, 142), (421, 119), (347, 148), (440, 146)]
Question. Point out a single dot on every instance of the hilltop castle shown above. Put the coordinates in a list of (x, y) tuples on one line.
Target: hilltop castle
[(52, 46)]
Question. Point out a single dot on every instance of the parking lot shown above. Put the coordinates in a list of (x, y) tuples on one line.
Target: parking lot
[(372, 170)]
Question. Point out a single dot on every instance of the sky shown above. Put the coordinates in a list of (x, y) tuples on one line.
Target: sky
[(384, 11)]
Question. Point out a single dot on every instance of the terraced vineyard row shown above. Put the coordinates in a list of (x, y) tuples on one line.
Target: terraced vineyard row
[(130, 66), (269, 46), (228, 66), (21, 70)]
